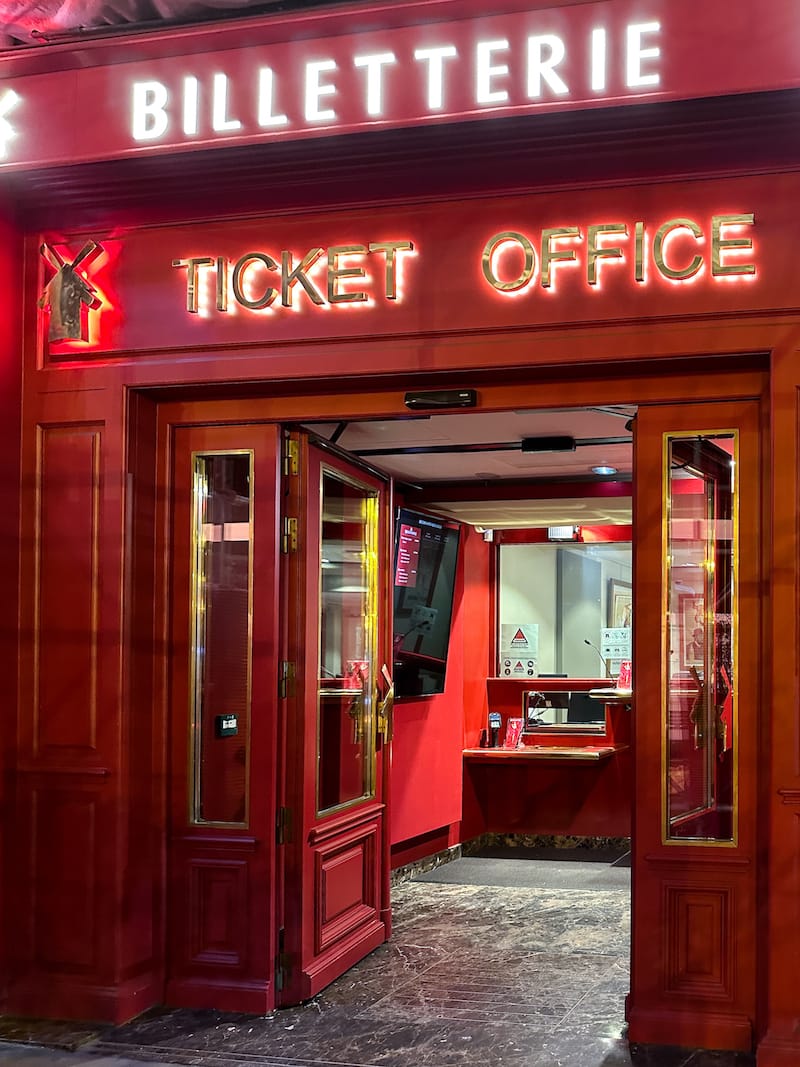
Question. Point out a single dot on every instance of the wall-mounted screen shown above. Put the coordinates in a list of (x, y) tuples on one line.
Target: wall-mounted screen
[(425, 560)]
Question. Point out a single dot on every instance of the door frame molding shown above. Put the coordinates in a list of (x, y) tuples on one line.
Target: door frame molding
[(643, 381)]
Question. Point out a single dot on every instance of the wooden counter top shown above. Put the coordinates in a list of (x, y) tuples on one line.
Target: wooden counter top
[(585, 753)]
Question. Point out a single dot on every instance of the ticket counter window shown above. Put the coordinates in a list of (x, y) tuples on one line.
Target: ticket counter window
[(700, 636), (564, 610)]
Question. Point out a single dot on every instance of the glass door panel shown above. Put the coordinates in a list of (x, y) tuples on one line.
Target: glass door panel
[(348, 595), (221, 610), (701, 612), (336, 851)]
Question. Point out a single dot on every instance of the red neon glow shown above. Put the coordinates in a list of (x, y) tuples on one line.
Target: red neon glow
[(516, 262), (383, 276), (571, 260), (611, 239), (507, 265), (102, 321), (680, 248), (745, 255)]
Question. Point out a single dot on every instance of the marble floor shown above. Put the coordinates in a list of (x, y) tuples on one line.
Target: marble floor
[(496, 960)]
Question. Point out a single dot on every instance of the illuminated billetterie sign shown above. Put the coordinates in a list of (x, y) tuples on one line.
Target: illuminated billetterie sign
[(309, 75), (490, 72), (599, 244), (259, 280)]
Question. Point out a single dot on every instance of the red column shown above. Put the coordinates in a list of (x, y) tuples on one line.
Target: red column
[(780, 877), (10, 378)]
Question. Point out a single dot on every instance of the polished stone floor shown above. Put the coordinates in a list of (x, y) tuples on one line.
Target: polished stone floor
[(515, 959)]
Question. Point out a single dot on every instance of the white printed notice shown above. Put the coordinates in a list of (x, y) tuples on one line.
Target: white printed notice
[(519, 650), (615, 645)]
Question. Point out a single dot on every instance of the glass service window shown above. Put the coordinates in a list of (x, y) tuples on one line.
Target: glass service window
[(564, 610), (221, 640)]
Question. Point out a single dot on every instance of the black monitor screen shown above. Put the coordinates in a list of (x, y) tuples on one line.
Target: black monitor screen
[(425, 559)]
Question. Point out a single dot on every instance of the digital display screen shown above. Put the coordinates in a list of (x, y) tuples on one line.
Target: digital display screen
[(426, 558)]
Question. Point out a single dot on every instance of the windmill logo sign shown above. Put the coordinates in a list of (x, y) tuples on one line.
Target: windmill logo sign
[(69, 295)]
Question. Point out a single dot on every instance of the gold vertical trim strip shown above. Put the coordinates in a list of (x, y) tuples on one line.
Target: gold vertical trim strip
[(666, 578), (667, 438), (197, 634), (371, 515), (735, 552)]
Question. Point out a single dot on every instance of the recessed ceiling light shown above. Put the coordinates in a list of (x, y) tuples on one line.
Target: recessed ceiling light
[(604, 470)]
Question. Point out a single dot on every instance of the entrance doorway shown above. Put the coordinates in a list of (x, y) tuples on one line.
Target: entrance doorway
[(275, 845), (314, 894)]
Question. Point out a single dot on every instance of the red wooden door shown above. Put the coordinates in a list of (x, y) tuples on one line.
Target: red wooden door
[(334, 825), (697, 705), (223, 717)]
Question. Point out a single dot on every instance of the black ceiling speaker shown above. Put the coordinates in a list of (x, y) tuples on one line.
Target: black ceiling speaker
[(548, 444), (442, 398)]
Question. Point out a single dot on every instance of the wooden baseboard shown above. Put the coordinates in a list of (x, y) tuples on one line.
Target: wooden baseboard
[(254, 998), (709, 1030), (776, 1050), (54, 997)]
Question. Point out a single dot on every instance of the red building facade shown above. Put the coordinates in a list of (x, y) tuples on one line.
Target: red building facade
[(212, 235)]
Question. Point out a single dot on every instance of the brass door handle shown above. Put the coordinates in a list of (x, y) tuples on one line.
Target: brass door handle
[(356, 713), (386, 715)]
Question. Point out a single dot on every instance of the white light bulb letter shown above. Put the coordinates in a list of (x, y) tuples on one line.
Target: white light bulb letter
[(315, 90), (486, 71), (541, 67), (635, 55), (375, 65), (435, 58), (8, 101), (150, 119)]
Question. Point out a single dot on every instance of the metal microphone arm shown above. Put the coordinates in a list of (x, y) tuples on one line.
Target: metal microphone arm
[(603, 659)]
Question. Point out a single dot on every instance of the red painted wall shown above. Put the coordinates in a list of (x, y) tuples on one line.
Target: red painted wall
[(429, 733), (10, 384)]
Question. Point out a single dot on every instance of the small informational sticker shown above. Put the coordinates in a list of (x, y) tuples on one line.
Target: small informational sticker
[(615, 645), (226, 725), (519, 650)]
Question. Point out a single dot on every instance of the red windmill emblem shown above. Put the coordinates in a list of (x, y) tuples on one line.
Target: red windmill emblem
[(69, 295)]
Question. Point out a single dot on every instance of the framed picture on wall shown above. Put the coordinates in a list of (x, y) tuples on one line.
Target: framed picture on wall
[(620, 603), (692, 630)]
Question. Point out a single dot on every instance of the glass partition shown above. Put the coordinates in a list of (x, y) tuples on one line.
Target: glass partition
[(221, 608), (700, 588), (562, 711), (564, 610), (347, 644)]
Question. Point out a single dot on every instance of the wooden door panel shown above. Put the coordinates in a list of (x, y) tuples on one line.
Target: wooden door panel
[(346, 883), (694, 877), (336, 889), (223, 726)]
